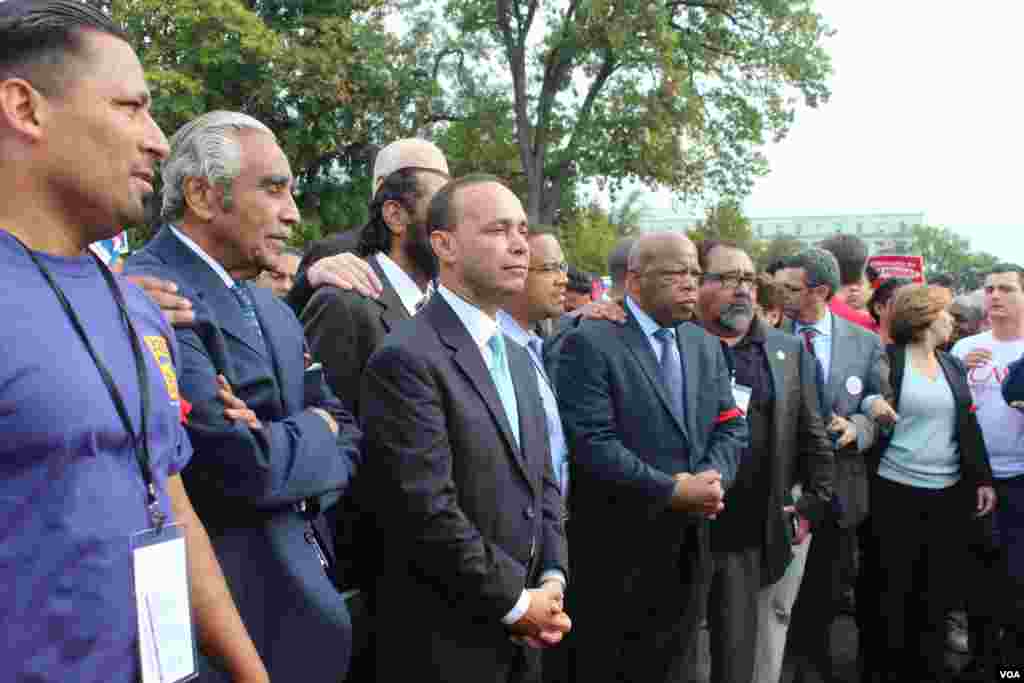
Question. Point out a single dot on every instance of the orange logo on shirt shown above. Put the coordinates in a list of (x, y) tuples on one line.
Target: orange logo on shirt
[(158, 346)]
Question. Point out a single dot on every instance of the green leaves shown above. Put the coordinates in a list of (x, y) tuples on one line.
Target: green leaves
[(944, 251), (673, 93), (324, 75)]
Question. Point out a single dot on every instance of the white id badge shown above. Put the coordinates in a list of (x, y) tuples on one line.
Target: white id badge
[(741, 395), (167, 643)]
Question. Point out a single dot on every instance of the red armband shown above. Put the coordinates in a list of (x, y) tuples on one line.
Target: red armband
[(727, 415), (186, 408)]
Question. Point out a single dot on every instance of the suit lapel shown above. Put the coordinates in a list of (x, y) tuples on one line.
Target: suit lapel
[(836, 367), (690, 353), (525, 403), (777, 362), (273, 326), (208, 287), (393, 310), (636, 341), (469, 359)]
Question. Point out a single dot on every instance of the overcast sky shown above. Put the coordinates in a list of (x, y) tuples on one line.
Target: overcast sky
[(925, 115)]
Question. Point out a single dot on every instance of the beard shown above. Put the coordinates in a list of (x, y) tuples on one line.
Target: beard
[(419, 251), (737, 316)]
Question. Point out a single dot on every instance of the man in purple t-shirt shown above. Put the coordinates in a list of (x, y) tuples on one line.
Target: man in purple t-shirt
[(74, 115)]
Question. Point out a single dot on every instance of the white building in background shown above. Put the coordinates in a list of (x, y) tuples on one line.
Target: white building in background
[(881, 231)]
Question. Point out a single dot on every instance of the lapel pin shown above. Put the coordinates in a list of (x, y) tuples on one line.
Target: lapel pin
[(780, 355)]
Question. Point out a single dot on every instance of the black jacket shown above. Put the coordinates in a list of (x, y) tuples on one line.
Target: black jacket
[(470, 517), (974, 466)]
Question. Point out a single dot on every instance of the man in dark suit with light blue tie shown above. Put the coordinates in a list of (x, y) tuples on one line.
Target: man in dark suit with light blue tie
[(458, 470), (273, 446), (654, 436)]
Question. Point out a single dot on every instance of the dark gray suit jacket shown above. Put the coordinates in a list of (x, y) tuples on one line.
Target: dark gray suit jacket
[(638, 561), (800, 450), (332, 245), (344, 327), (856, 353), (471, 518)]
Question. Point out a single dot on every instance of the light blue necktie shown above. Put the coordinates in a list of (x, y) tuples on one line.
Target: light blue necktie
[(556, 436), (503, 381), (672, 370)]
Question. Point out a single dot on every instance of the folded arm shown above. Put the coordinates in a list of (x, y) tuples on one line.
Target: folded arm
[(281, 462)]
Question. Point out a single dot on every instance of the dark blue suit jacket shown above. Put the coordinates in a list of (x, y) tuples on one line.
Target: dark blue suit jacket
[(247, 485), (636, 561), (1013, 385), (470, 518)]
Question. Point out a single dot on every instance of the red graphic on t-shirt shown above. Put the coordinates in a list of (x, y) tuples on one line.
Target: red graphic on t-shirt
[(988, 374)]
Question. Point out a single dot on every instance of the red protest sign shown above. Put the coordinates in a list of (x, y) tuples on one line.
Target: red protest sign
[(910, 267)]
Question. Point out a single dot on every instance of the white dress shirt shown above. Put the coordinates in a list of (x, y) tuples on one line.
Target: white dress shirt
[(209, 260), (556, 436), (408, 291), (481, 328), (822, 342), (649, 326)]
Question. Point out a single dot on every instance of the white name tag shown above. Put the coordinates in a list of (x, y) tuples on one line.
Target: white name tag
[(167, 644), (741, 395)]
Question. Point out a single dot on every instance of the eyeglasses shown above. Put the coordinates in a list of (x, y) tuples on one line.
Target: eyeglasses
[(551, 268), (731, 279), (669, 277)]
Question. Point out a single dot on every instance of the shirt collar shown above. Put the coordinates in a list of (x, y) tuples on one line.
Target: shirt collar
[(754, 335), (479, 325), (648, 324), (408, 291), (209, 260), (511, 328), (823, 326)]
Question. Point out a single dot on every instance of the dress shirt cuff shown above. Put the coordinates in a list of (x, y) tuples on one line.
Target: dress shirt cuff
[(517, 612), (555, 574)]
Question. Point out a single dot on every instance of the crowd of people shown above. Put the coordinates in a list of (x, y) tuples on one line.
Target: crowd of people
[(420, 450)]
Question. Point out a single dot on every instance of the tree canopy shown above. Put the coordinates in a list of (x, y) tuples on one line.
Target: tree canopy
[(676, 93), (945, 251), (325, 75)]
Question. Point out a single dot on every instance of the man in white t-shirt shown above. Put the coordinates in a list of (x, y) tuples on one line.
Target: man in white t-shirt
[(987, 356)]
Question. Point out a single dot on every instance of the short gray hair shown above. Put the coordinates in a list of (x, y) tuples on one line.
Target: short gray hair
[(820, 268), (205, 147)]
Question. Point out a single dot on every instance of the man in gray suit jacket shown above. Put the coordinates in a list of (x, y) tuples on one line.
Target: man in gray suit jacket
[(850, 362)]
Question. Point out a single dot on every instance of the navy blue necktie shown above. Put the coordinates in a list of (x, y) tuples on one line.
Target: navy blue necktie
[(244, 296)]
